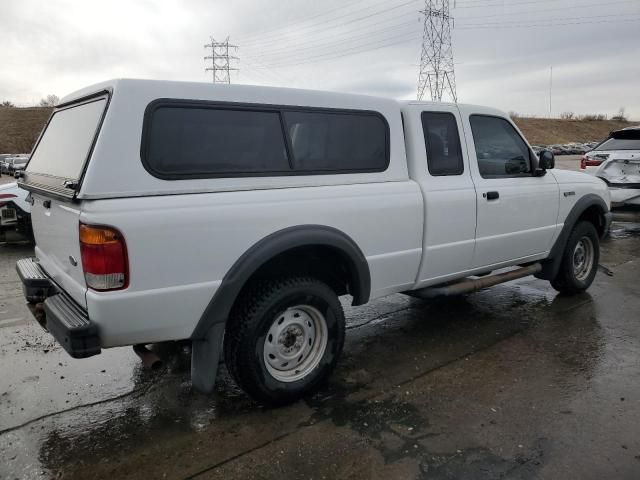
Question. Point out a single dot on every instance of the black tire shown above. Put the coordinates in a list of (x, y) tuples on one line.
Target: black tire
[(256, 312), (566, 280)]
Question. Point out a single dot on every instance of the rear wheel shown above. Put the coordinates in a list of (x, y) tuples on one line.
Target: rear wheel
[(580, 259), (283, 338)]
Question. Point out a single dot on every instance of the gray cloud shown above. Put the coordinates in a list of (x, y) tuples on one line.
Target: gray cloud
[(57, 47)]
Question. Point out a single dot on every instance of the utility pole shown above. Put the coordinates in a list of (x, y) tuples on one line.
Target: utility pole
[(550, 87), (220, 60), (436, 60)]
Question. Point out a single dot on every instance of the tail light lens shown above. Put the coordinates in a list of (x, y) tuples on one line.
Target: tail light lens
[(104, 258), (589, 162), (5, 196)]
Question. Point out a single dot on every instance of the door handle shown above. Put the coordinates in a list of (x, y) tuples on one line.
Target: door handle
[(491, 195)]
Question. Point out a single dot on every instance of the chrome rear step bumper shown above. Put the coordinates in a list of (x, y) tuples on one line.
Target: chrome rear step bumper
[(67, 321)]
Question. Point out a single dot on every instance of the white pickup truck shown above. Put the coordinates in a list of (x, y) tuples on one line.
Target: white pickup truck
[(235, 216)]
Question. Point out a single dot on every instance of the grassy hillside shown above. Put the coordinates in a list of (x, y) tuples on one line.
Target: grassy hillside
[(20, 127), (544, 131)]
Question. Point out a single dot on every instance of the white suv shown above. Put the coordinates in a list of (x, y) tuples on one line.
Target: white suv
[(617, 162), (246, 211)]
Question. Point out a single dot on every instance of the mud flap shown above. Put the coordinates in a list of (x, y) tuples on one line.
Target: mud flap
[(205, 355)]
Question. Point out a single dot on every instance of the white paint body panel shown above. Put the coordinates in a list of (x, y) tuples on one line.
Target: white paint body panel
[(183, 236), (450, 202), (522, 222), (57, 236), (177, 259)]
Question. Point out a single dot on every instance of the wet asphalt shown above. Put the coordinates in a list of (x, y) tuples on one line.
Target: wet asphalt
[(512, 382)]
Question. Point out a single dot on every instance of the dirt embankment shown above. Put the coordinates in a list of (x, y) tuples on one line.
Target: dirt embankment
[(20, 127), (544, 131)]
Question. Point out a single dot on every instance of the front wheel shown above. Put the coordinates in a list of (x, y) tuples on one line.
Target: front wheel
[(283, 338), (579, 262)]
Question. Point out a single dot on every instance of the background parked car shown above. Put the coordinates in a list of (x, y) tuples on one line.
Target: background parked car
[(13, 162), (617, 162), (15, 211), (618, 141), (16, 164)]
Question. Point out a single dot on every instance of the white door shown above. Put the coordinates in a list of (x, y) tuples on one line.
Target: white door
[(439, 163), (517, 211)]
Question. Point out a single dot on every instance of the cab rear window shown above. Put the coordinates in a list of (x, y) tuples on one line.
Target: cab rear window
[(67, 140)]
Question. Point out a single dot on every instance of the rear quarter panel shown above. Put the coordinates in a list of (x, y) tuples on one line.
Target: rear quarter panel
[(181, 246)]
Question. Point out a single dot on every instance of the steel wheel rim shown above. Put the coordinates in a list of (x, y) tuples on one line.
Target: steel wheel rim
[(583, 255), (295, 343)]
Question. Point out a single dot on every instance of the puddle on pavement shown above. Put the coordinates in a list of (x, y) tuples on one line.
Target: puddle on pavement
[(620, 230)]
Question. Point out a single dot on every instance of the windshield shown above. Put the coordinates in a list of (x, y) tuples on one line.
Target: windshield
[(65, 144), (619, 144)]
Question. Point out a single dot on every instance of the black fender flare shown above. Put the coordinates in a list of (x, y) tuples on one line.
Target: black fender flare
[(272, 245), (551, 264)]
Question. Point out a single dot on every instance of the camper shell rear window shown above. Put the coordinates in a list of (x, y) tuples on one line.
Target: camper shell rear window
[(68, 139), (60, 156), (196, 139)]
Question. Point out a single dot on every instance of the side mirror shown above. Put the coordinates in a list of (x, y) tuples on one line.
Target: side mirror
[(547, 160)]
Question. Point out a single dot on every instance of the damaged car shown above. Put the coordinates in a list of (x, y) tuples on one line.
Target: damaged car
[(15, 211), (617, 162)]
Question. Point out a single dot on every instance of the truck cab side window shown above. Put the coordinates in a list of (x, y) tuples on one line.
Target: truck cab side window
[(442, 142), (500, 150)]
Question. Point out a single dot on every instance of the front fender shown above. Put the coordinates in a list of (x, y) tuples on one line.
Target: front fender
[(551, 265)]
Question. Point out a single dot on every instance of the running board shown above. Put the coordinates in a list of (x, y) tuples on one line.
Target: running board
[(467, 285)]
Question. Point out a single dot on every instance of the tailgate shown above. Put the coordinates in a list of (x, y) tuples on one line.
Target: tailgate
[(53, 176), (55, 227)]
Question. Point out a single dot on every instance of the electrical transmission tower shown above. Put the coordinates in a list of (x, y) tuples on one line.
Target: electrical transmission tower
[(436, 61), (220, 60)]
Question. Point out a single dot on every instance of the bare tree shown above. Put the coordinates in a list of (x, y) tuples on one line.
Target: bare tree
[(620, 116), (7, 104), (49, 101), (567, 115)]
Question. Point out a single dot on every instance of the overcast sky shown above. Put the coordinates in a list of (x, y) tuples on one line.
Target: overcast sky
[(503, 49)]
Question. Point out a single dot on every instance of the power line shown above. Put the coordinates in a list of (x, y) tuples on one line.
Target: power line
[(544, 10), (337, 25), (550, 23), (388, 21), (280, 53), (501, 4), (349, 52), (258, 65), (401, 40), (265, 33), (337, 42), (333, 47), (436, 58)]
